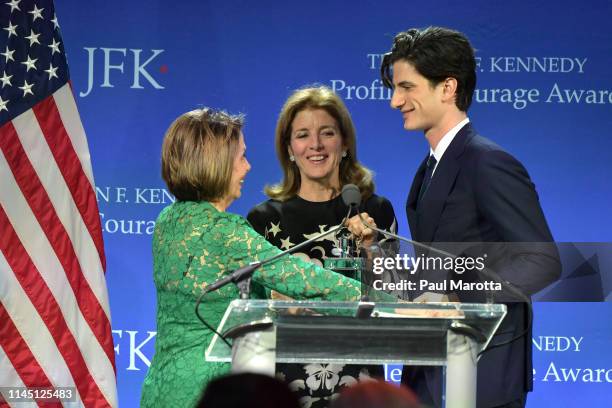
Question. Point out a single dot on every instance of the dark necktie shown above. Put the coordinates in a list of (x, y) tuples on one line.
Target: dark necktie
[(431, 164)]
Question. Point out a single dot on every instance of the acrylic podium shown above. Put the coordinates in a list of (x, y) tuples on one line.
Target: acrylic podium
[(451, 335)]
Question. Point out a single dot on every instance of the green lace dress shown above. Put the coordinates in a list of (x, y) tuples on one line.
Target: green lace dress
[(194, 245)]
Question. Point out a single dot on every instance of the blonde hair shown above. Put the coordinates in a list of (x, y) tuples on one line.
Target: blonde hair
[(351, 171), (198, 154)]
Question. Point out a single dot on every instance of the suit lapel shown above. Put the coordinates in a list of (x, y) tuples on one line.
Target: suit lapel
[(430, 209), (413, 196)]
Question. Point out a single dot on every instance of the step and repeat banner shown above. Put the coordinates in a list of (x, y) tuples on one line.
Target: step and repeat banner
[(544, 93)]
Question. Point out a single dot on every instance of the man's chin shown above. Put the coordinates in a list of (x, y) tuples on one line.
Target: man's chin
[(411, 126)]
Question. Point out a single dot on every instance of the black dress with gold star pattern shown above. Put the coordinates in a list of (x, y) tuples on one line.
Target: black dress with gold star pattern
[(286, 224)]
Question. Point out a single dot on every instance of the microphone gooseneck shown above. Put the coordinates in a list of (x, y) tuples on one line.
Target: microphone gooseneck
[(349, 198)]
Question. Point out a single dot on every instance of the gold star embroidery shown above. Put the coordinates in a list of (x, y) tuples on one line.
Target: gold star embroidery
[(328, 237), (286, 243), (274, 228)]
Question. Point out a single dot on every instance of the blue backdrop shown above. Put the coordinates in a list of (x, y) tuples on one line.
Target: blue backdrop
[(544, 93)]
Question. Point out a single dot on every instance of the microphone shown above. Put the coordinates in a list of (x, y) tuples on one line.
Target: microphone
[(351, 196)]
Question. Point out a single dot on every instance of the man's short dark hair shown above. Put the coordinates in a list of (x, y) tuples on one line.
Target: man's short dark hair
[(436, 53)]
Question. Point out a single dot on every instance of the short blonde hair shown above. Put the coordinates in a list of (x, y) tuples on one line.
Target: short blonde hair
[(198, 154), (351, 171)]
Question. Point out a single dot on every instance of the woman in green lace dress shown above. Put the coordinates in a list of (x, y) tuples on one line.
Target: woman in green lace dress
[(196, 242)]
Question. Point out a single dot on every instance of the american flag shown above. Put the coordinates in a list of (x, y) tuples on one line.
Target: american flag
[(54, 313)]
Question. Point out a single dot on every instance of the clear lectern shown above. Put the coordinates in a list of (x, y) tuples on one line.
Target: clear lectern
[(435, 334)]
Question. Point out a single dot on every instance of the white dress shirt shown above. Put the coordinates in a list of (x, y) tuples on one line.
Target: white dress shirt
[(445, 142)]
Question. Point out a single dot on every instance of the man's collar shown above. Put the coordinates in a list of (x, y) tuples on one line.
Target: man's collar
[(447, 139)]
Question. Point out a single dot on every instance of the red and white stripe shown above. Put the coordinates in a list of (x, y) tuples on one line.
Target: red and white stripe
[(53, 294)]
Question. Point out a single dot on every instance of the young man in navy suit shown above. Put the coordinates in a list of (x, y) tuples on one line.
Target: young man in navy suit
[(468, 189)]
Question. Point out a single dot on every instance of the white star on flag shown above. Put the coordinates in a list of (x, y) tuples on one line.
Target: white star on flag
[(3, 104), (8, 55), (11, 29), (36, 13), (14, 5), (54, 20), (51, 71), (6, 79), (33, 37), (26, 88), (54, 46), (30, 63)]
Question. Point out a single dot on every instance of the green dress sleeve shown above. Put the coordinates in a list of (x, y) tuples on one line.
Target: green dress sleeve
[(288, 275)]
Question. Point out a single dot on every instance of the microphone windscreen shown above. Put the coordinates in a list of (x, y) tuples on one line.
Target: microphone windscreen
[(351, 195)]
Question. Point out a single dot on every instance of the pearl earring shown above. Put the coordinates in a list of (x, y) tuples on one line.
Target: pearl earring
[(344, 153), (291, 158)]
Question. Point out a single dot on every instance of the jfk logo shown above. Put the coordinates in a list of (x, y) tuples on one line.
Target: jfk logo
[(130, 346), (113, 59)]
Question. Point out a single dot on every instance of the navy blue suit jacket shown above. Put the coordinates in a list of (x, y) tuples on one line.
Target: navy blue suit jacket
[(480, 193)]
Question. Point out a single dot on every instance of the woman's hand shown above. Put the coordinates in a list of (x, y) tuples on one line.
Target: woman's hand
[(360, 231)]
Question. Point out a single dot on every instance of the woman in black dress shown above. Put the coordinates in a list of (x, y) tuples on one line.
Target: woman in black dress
[(315, 143)]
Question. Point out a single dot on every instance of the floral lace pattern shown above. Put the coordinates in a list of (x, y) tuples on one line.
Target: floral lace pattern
[(193, 246)]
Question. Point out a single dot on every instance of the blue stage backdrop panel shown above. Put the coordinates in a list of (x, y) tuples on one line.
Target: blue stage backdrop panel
[(544, 93)]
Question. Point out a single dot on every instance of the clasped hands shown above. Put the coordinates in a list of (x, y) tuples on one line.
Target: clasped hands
[(362, 233)]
